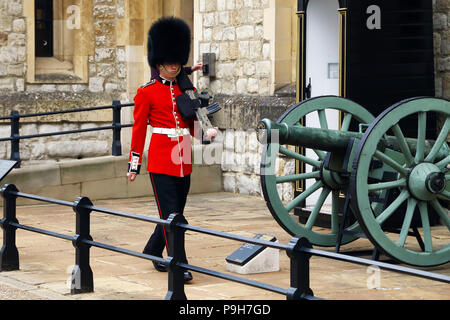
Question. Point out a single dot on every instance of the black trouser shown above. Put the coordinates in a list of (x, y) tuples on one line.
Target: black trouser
[(170, 195)]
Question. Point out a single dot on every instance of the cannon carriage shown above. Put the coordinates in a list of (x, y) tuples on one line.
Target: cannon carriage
[(391, 183)]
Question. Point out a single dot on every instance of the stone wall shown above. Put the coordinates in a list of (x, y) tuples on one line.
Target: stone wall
[(96, 76), (442, 47), (234, 31), (441, 20), (12, 46), (239, 148)]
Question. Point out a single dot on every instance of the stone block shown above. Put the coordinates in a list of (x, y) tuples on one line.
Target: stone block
[(245, 32), (68, 192), (121, 164), (241, 86), (240, 142), (439, 21), (15, 8), (229, 33), (96, 84), (229, 182), (19, 25), (78, 150), (105, 188), (140, 187), (104, 12), (32, 178), (88, 170), (7, 84), (253, 85), (266, 261), (205, 179), (210, 154)]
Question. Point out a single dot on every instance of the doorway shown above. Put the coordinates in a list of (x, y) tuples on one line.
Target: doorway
[(322, 68)]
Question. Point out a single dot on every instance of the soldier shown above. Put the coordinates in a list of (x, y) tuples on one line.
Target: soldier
[(163, 105), (188, 70)]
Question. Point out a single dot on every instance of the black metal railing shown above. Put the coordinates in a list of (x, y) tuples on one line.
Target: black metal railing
[(116, 127), (299, 250)]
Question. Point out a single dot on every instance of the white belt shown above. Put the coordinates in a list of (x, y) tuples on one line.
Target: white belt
[(172, 132)]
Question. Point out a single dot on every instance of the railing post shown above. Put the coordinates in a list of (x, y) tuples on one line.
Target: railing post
[(9, 255), (82, 277), (15, 152), (176, 246), (116, 144), (299, 269)]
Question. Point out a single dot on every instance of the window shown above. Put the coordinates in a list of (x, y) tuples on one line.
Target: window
[(44, 28), (56, 52)]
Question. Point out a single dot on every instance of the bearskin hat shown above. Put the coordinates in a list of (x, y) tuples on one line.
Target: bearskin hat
[(169, 41)]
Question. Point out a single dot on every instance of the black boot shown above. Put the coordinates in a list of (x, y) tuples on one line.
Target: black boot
[(187, 276), (161, 267)]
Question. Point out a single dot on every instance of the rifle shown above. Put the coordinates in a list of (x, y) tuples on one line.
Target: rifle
[(199, 103)]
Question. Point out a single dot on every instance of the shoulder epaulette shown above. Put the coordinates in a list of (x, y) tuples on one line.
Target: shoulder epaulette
[(148, 83)]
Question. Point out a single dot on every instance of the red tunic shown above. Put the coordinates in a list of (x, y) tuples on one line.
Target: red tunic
[(155, 104)]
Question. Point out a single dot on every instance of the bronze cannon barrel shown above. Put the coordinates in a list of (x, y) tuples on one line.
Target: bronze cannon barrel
[(329, 140), (315, 138)]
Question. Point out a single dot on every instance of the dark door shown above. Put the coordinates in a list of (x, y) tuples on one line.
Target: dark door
[(390, 54), (44, 28)]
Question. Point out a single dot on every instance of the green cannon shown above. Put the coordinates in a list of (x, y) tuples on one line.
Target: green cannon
[(393, 183)]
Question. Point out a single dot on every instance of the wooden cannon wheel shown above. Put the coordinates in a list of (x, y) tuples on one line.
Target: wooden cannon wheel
[(324, 181), (421, 182)]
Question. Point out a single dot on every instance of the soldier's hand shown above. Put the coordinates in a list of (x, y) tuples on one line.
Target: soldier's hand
[(211, 133), (131, 176), (197, 66)]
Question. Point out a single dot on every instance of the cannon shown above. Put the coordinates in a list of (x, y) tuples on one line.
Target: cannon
[(391, 182)]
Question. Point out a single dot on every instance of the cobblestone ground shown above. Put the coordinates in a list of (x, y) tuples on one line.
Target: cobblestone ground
[(11, 293)]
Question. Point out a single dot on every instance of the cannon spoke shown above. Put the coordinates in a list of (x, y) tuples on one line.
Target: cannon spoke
[(302, 196), (323, 119), (439, 142), (403, 145), (387, 185), (425, 226), (320, 154), (296, 177), (346, 122), (444, 163), (441, 212), (297, 156), (444, 195), (421, 136), (319, 204), (391, 162), (412, 203), (393, 206)]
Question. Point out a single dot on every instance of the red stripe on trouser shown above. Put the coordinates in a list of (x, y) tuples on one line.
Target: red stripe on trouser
[(159, 210)]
